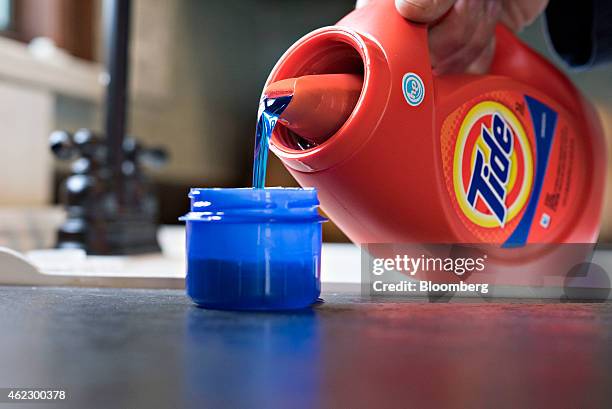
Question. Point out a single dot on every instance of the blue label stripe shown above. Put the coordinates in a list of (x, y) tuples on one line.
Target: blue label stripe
[(544, 121)]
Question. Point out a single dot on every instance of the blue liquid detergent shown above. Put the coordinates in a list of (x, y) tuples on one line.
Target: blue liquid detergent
[(269, 111), (255, 285)]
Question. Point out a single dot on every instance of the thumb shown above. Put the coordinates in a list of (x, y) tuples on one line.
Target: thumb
[(423, 11)]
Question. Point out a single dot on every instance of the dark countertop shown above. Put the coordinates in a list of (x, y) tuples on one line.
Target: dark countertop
[(152, 348)]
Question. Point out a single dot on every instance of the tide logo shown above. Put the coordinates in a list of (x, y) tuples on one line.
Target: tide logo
[(492, 166)]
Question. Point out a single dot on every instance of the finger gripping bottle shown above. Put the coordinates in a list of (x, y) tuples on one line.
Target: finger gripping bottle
[(401, 155)]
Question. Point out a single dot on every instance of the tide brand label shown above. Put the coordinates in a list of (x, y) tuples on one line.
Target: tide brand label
[(508, 167)]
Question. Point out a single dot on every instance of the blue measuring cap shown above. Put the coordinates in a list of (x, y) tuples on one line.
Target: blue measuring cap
[(253, 249)]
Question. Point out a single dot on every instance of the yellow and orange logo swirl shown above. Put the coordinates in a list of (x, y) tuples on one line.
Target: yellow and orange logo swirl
[(492, 165)]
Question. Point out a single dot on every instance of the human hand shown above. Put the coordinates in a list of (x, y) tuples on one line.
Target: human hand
[(462, 32)]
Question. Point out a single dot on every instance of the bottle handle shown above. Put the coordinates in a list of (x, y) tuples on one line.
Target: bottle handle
[(514, 59)]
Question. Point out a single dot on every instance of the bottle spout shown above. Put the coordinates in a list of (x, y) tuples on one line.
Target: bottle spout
[(320, 104)]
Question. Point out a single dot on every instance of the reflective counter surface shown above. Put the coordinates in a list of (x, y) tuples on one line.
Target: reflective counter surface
[(152, 348)]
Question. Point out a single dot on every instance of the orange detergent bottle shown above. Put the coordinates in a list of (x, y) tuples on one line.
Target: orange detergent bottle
[(400, 155)]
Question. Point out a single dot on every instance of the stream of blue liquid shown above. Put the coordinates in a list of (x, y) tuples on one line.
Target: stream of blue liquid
[(270, 110)]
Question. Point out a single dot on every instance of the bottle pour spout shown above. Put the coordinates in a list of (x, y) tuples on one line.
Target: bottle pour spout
[(320, 104)]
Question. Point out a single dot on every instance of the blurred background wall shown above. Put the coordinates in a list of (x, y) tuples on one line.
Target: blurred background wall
[(197, 72)]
